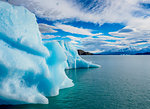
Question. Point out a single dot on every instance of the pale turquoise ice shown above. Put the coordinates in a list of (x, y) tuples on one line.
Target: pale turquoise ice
[(23, 68), (73, 59), (56, 63), (26, 77), (29, 69)]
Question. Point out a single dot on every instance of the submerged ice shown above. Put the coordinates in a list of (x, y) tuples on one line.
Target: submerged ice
[(29, 68)]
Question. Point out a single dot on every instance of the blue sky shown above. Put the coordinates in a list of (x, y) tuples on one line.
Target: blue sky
[(93, 25)]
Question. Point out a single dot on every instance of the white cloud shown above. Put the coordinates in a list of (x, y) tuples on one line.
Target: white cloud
[(98, 44), (44, 28), (128, 12), (109, 11), (102, 37), (96, 51), (101, 11), (75, 38), (75, 30), (49, 36)]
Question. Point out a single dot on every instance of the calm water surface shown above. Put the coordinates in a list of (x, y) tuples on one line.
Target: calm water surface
[(123, 82)]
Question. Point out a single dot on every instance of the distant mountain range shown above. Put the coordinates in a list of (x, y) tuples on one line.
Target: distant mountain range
[(127, 51), (124, 51)]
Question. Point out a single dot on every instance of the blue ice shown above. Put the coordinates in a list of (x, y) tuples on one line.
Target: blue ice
[(31, 69)]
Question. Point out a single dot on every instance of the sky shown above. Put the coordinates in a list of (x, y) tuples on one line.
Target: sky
[(93, 25)]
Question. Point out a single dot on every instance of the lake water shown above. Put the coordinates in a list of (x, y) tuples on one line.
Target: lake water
[(123, 82)]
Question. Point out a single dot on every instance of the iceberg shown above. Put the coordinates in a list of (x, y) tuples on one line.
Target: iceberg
[(31, 69), (27, 71), (22, 57)]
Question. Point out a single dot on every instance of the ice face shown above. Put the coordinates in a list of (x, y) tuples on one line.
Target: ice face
[(27, 71), (19, 28), (73, 59), (17, 68), (22, 57)]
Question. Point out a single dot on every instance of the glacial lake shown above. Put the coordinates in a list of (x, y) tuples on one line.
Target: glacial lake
[(123, 82)]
